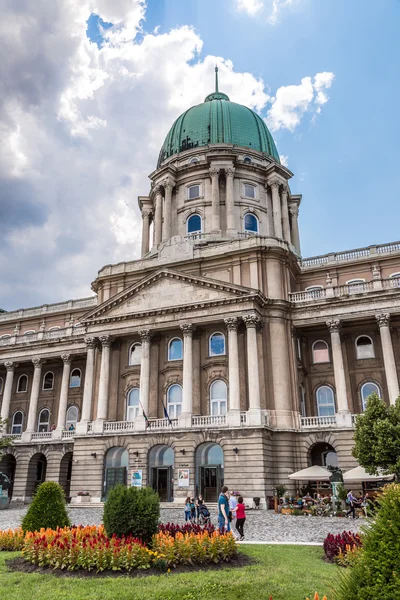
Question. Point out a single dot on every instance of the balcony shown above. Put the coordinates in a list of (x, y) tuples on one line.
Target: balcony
[(350, 255), (209, 421), (55, 335), (321, 423), (46, 309), (345, 291)]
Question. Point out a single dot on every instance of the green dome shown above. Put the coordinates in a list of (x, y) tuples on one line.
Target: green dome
[(218, 121)]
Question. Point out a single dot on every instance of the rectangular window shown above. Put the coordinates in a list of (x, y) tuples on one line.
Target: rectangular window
[(194, 192), (249, 191)]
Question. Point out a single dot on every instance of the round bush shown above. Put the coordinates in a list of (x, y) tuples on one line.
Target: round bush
[(132, 511), (48, 509)]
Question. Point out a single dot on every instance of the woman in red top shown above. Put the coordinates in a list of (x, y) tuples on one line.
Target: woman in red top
[(240, 516)]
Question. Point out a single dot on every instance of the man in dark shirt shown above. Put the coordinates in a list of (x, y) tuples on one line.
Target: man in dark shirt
[(223, 510)]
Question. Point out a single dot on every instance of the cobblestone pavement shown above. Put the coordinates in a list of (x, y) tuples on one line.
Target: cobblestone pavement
[(260, 525)]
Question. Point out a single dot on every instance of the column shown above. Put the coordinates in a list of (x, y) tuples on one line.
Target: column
[(145, 337), (102, 406), (187, 400), (343, 416), (233, 371), (294, 213), (86, 414), (392, 380), (145, 231), (214, 174), (158, 217), (62, 405), (230, 200), (276, 208), (168, 185), (5, 407), (33, 400), (252, 321), (283, 415), (285, 214)]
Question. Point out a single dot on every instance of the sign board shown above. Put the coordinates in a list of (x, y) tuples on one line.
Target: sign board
[(183, 478), (137, 478)]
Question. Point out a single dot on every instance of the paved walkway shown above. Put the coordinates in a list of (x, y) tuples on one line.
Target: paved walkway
[(263, 526)]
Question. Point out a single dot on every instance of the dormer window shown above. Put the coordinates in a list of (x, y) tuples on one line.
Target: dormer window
[(247, 160), (194, 160), (249, 191), (193, 192)]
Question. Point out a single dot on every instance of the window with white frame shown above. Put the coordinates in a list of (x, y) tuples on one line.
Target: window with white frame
[(366, 390), (17, 422), (251, 224), (44, 420), (175, 349), (320, 352), (364, 347), (133, 404), (29, 332), (174, 401), (249, 191), (5, 336), (71, 418), (217, 344), (22, 385), (218, 398), (135, 354), (193, 192), (325, 401), (48, 381), (355, 285), (75, 379), (1, 385), (193, 224), (193, 160), (55, 328), (396, 279)]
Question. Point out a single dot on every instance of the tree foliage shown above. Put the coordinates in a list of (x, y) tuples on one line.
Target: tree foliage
[(5, 442), (48, 508), (377, 437)]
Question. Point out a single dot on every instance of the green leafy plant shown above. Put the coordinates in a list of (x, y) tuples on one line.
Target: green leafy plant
[(132, 511), (279, 490), (5, 442), (48, 509)]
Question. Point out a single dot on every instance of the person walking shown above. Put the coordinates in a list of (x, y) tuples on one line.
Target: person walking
[(232, 505), (351, 502), (223, 511), (192, 510), (199, 504), (240, 511), (187, 509)]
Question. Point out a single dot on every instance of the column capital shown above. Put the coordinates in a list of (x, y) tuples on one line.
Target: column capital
[(383, 319), (146, 214), (294, 210), (334, 325), (230, 171), (251, 320), (10, 366), (37, 362), (157, 190), (187, 328), (285, 188), (105, 340), (274, 183), (145, 335), (90, 342), (66, 358), (214, 171), (168, 184), (231, 323)]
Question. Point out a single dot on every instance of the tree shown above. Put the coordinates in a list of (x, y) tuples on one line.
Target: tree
[(377, 437), (5, 442), (48, 509)]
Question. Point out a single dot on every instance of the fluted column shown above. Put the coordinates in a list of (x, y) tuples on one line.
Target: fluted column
[(187, 400), (158, 217), (294, 214), (233, 370), (276, 208), (168, 186), (343, 413), (5, 407), (230, 200), (252, 321), (86, 415), (33, 400), (392, 380), (214, 174), (145, 231), (285, 214), (62, 406), (145, 370), (102, 405)]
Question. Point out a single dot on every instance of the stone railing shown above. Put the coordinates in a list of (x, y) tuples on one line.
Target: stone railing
[(357, 254), (389, 284), (243, 418), (317, 422), (353, 288), (118, 426), (49, 309), (342, 291), (209, 421), (55, 334), (162, 424), (67, 434), (41, 436)]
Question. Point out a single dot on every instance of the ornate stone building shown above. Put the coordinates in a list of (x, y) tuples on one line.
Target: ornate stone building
[(221, 351)]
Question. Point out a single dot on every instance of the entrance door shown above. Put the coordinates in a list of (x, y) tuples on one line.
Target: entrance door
[(114, 475), (210, 483), (161, 477)]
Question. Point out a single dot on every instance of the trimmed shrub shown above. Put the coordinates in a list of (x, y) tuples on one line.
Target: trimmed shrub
[(130, 511), (48, 509)]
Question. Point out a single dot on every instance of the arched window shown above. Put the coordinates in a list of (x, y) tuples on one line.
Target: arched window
[(133, 404), (29, 332), (17, 422), (71, 418), (355, 281), (251, 223), (193, 224), (218, 398), (48, 381), (55, 328), (193, 192), (135, 354), (44, 420), (366, 390), (355, 286), (5, 336), (320, 352), (1, 385), (193, 160), (364, 347), (249, 190), (174, 401), (175, 349), (22, 384), (75, 379), (325, 401), (217, 344), (395, 277), (247, 160)]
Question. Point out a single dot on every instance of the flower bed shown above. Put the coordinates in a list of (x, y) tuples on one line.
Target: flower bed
[(338, 545), (11, 539), (191, 548), (173, 529)]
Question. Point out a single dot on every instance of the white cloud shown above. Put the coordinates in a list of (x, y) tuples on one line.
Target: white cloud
[(284, 160), (251, 7), (271, 9), (292, 102)]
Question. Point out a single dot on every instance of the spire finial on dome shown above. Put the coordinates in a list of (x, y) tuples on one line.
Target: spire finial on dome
[(216, 79), (217, 95)]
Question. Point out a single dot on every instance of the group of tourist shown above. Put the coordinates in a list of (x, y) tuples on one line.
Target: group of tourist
[(231, 512)]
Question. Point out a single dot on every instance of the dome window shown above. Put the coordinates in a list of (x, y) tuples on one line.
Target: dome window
[(249, 191), (193, 160), (247, 160), (251, 223), (193, 192), (194, 224)]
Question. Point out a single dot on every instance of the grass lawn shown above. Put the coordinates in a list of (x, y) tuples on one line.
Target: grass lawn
[(285, 572)]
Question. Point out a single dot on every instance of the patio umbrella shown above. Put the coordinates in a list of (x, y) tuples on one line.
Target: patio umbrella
[(359, 474), (314, 473)]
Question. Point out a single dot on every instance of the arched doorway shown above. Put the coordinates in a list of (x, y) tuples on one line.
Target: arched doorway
[(323, 455), (116, 464), (161, 471), (36, 473), (8, 464), (209, 470), (65, 474)]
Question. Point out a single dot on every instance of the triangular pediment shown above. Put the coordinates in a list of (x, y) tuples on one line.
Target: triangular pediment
[(166, 291)]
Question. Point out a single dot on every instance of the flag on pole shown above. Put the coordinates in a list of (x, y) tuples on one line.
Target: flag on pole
[(166, 415), (145, 416)]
